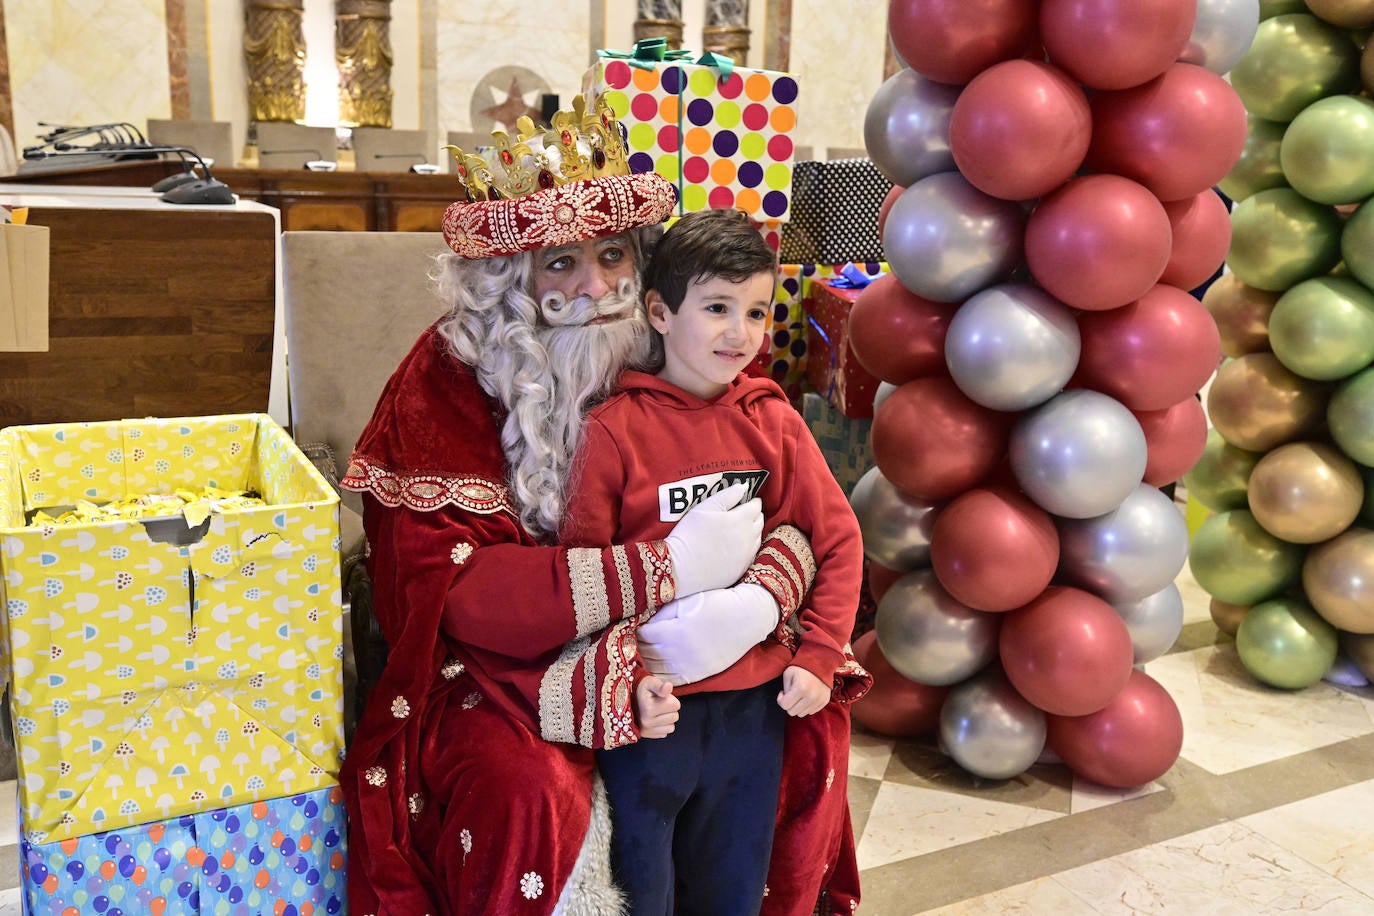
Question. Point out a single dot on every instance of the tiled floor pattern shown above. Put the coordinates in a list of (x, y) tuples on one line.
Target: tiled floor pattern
[(1269, 809)]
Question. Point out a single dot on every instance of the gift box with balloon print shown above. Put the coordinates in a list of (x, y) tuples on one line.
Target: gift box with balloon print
[(721, 133), (834, 216), (282, 856), (832, 369), (171, 663)]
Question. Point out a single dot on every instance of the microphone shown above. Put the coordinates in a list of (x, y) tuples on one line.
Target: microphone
[(318, 164), (182, 190), (419, 168)]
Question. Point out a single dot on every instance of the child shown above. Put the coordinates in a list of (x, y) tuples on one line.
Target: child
[(693, 813)]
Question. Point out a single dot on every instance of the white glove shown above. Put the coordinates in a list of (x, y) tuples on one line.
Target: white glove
[(695, 637), (715, 541)]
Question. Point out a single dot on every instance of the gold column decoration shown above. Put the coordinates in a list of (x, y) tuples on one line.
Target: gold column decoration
[(727, 28), (362, 50), (274, 49), (660, 19)]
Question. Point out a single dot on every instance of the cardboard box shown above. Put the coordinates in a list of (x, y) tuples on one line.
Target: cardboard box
[(157, 669), (275, 856), (832, 369), (725, 141)]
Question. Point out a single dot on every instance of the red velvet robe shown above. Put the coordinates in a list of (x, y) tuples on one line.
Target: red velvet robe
[(456, 803)]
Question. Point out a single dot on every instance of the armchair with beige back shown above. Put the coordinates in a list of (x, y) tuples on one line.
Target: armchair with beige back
[(354, 304)]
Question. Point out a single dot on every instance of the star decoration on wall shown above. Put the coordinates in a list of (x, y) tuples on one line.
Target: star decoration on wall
[(513, 107)]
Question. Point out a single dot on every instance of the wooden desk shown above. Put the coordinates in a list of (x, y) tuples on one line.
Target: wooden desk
[(154, 309), (347, 201)]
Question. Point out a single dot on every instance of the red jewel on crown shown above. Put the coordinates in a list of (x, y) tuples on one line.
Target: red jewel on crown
[(506, 157), (545, 179), (567, 138)]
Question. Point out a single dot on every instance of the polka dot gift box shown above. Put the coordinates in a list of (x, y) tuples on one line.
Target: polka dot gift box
[(168, 664), (723, 138), (283, 856)]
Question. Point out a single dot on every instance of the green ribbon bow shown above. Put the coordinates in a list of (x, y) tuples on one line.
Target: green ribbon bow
[(650, 52)]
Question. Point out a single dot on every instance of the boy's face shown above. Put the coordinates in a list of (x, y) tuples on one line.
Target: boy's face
[(714, 334)]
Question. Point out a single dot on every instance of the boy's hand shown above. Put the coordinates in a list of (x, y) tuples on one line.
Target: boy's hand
[(657, 707), (803, 693)]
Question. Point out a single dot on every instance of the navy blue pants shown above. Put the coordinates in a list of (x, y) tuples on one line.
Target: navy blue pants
[(692, 814)]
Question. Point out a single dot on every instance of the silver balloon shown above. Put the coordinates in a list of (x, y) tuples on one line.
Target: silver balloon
[(1078, 455), (1222, 33), (989, 729), (884, 389), (945, 239), (906, 128), (1345, 673), (1012, 347), (1154, 622), (896, 527), (929, 636), (1128, 553)]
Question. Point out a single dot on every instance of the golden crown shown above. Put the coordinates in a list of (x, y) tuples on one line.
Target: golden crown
[(577, 145)]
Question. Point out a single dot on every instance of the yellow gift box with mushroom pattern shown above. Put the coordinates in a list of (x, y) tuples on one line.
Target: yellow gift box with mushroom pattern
[(165, 665)]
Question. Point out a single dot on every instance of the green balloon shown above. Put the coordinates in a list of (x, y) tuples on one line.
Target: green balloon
[(1268, 9), (1350, 416), (1220, 478), (1294, 60), (1237, 561), (1285, 643), (1280, 238), (1323, 328), (1258, 167), (1357, 244), (1327, 152)]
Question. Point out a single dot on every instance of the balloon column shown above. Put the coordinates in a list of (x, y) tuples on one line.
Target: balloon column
[(1289, 468), (1041, 358)]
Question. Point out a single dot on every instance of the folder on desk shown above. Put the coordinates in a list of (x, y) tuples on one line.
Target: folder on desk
[(23, 287)]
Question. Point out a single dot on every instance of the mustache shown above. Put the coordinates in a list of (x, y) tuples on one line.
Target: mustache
[(560, 311)]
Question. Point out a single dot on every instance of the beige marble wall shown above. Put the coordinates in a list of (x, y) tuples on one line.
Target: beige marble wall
[(76, 62), (838, 60)]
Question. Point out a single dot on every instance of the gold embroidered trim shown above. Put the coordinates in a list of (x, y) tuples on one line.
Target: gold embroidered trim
[(375, 776), (400, 708), (460, 554), (452, 668), (591, 606), (426, 492), (555, 694)]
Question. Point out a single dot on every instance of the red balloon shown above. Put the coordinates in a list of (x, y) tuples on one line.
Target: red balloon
[(1150, 354), (896, 705), (1132, 741), (994, 550), (1202, 235), (1068, 652), (886, 205), (931, 442), (1174, 440), (897, 335), (1115, 44), (880, 579), (1178, 135), (1098, 242), (1020, 129), (951, 41)]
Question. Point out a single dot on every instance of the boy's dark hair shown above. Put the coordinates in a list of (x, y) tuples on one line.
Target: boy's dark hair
[(706, 244)]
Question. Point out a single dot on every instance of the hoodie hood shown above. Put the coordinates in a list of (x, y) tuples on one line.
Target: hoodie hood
[(744, 391)]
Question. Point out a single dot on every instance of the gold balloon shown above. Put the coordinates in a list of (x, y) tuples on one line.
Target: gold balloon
[(1338, 577), (1258, 168), (1279, 238), (1306, 492), (1348, 14), (1294, 60), (1220, 477), (1256, 404), (1236, 560), (1227, 616), (1359, 648), (1241, 313)]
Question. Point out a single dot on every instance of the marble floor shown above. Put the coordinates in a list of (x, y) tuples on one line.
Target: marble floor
[(1269, 809)]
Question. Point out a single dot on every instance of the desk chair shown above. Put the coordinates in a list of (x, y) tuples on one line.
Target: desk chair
[(284, 145), (354, 303), (212, 140)]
